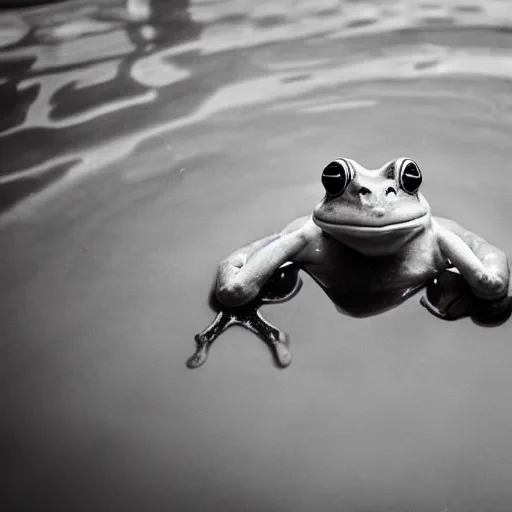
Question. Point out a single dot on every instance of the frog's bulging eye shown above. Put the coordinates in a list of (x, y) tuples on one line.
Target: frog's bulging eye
[(336, 177), (410, 177)]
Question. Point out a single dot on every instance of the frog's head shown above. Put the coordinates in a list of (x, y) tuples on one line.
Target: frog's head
[(376, 212)]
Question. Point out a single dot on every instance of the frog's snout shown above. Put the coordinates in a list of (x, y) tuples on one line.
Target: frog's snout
[(377, 194), (377, 202)]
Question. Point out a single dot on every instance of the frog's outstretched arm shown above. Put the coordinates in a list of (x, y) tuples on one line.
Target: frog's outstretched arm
[(243, 273), (484, 267)]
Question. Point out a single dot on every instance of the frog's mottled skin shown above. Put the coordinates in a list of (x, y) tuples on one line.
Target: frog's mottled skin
[(370, 243)]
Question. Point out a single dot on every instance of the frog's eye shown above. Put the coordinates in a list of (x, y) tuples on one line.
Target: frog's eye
[(336, 177), (410, 177)]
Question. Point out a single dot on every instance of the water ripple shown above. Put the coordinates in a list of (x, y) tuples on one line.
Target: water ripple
[(84, 66)]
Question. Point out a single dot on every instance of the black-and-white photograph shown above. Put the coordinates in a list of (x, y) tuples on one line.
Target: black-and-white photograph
[(255, 255)]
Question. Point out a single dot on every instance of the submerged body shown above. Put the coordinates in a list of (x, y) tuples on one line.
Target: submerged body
[(361, 284)]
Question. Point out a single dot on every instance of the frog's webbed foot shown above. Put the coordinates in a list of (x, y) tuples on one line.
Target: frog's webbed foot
[(250, 318), (282, 286), (205, 338), (276, 339)]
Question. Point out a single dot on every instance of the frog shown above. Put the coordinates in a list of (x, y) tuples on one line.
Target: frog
[(370, 243)]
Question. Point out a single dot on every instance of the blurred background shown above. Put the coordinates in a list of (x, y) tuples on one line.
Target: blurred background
[(140, 143)]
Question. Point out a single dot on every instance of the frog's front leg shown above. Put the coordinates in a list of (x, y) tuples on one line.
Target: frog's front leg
[(484, 267), (242, 274)]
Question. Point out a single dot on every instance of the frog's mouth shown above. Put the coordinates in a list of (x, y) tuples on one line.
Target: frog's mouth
[(373, 231)]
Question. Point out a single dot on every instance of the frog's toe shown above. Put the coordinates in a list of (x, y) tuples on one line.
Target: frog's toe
[(199, 357), (283, 355), (448, 296), (282, 337)]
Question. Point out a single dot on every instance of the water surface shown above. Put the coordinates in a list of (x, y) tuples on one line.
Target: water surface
[(140, 144)]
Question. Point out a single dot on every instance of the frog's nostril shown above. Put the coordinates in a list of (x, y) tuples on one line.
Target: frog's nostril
[(364, 191), (390, 190)]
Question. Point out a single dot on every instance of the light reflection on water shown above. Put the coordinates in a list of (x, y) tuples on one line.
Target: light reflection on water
[(130, 71), (141, 144)]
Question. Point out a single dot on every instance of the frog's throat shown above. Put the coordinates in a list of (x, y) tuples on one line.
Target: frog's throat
[(353, 230)]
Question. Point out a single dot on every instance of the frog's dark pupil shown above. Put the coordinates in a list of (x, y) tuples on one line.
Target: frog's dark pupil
[(335, 178), (411, 178)]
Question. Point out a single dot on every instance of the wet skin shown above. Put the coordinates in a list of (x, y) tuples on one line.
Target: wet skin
[(370, 243), (371, 236)]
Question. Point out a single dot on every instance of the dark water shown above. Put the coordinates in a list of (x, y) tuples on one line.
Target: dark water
[(140, 144)]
